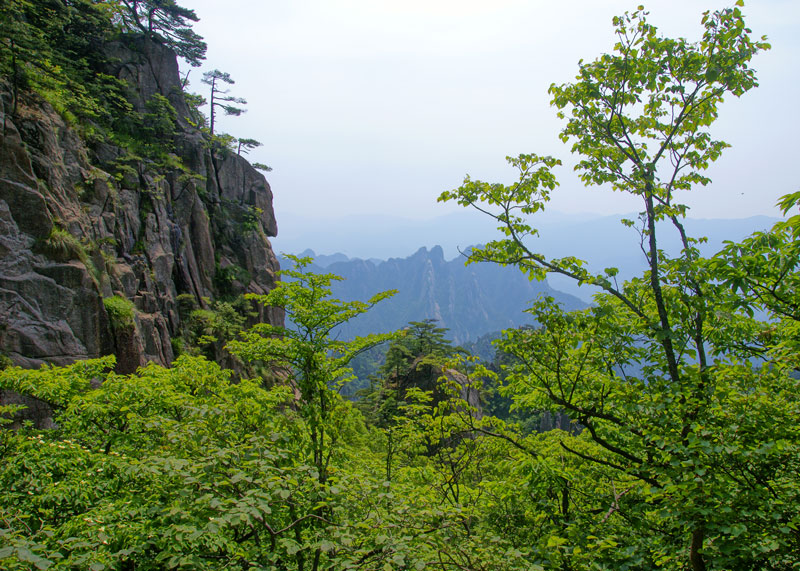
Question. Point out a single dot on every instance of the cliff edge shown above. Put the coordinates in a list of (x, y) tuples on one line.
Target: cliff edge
[(103, 250)]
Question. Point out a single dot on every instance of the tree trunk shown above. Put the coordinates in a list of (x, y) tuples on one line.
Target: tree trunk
[(695, 557)]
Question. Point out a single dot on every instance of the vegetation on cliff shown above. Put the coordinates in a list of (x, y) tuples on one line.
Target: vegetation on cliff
[(685, 449), (109, 166)]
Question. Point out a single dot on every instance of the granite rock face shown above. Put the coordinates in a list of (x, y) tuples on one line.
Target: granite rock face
[(75, 228)]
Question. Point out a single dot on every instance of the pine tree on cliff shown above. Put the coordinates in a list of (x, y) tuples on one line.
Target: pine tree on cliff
[(219, 97), (164, 20)]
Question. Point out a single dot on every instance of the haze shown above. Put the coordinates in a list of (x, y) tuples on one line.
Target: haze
[(374, 108)]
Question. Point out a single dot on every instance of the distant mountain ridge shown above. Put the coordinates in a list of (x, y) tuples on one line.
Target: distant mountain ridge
[(468, 300), (600, 240)]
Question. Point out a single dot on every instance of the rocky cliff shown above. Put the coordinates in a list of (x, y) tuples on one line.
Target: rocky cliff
[(100, 248)]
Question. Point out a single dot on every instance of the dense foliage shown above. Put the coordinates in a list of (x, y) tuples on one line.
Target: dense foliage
[(54, 48), (682, 384), (181, 468)]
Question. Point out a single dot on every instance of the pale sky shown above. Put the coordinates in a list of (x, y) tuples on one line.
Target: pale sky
[(377, 106)]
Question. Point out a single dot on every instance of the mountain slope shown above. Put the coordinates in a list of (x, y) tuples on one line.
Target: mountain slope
[(469, 300)]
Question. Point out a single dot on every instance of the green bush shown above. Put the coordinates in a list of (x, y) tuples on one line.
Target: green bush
[(187, 303), (63, 246), (178, 346), (225, 277), (121, 312), (251, 219)]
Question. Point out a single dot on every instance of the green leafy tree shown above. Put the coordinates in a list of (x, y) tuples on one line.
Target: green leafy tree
[(652, 371), (219, 96), (194, 102), (763, 270), (22, 44), (316, 362), (166, 21)]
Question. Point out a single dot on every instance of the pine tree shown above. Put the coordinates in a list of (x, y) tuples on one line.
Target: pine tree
[(219, 97), (164, 20)]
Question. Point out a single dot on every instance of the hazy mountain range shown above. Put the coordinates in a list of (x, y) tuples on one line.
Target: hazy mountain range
[(469, 300), (601, 240)]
